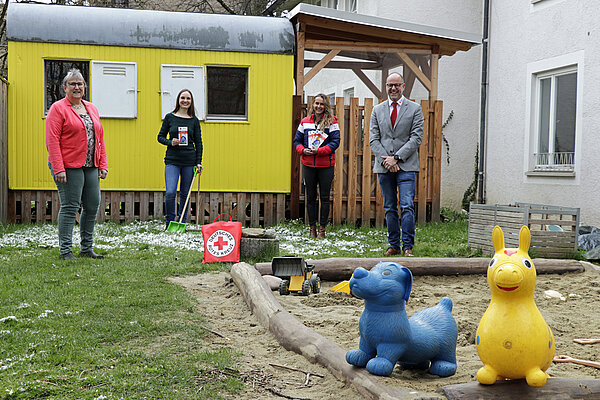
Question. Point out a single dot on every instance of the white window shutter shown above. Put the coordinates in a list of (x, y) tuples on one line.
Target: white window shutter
[(173, 78), (114, 88)]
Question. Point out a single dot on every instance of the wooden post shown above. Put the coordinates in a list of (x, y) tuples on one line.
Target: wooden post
[(338, 182), (295, 174), (367, 170), (352, 172), (437, 161), (423, 166)]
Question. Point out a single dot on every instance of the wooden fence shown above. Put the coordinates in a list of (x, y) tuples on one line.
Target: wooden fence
[(252, 209), (356, 197)]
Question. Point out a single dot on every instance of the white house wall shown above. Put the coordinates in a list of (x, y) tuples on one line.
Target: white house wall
[(459, 82), (522, 38)]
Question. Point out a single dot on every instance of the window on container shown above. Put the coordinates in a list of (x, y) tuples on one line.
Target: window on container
[(227, 93), (350, 5), (556, 114), (55, 71)]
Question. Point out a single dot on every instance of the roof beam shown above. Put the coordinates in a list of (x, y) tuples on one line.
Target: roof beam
[(365, 79), (312, 44), (319, 66), (415, 68)]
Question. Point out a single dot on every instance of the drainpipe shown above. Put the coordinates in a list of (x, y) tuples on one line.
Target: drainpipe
[(484, 88)]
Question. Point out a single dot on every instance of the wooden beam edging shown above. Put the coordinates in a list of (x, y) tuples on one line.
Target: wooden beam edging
[(294, 336), (554, 388), (334, 269)]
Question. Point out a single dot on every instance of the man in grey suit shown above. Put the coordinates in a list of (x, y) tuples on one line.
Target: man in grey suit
[(395, 136)]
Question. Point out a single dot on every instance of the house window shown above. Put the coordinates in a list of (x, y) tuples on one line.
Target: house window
[(329, 3), (227, 93), (55, 71), (348, 94), (556, 120), (350, 5)]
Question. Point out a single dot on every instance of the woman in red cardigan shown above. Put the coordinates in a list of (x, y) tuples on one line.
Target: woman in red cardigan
[(77, 161)]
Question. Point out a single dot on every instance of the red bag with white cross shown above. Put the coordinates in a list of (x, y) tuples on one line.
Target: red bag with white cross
[(222, 241)]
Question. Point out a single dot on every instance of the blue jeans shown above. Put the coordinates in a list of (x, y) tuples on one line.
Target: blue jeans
[(82, 189), (172, 174), (391, 184)]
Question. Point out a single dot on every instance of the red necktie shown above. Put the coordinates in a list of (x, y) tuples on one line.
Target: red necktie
[(394, 113)]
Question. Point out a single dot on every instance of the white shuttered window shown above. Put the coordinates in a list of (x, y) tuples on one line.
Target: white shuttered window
[(174, 78), (114, 88)]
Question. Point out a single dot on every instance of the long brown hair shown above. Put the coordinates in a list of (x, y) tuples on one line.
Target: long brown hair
[(327, 118), (192, 110)]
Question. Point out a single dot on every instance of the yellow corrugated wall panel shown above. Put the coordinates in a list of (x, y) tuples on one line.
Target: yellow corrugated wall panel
[(253, 156)]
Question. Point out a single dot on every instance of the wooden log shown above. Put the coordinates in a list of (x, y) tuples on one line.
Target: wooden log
[(555, 388), (294, 336), (335, 269)]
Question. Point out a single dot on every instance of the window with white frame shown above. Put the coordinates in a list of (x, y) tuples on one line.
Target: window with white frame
[(54, 72), (555, 116), (348, 94)]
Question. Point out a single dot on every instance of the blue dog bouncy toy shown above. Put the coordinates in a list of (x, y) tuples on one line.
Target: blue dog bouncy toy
[(388, 336)]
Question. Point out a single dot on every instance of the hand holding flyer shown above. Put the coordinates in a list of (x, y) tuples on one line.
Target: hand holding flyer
[(183, 135), (316, 139)]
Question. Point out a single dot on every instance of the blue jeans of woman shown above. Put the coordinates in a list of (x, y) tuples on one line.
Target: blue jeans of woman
[(313, 176), (172, 175), (82, 189), (404, 183)]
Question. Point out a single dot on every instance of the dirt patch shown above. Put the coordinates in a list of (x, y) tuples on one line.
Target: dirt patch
[(271, 372)]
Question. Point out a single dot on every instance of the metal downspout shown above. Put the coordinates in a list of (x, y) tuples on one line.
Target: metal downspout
[(483, 118)]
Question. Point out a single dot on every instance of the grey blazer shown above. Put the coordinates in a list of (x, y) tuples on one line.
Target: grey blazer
[(403, 139)]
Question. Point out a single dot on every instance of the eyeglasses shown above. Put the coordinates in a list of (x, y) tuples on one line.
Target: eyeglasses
[(394, 84), (75, 84)]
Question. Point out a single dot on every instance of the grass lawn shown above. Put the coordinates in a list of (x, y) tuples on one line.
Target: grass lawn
[(116, 329)]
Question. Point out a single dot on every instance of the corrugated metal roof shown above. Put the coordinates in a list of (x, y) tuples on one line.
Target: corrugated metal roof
[(148, 28), (368, 20)]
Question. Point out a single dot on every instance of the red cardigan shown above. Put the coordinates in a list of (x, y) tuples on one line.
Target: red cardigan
[(66, 139)]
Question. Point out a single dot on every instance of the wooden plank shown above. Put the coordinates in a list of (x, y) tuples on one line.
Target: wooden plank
[(280, 208), (365, 79), (352, 172), (227, 208), (55, 206), (555, 388), (338, 182), (158, 204), (40, 207), (254, 210), (11, 208), (129, 206), (437, 161), (433, 92), (299, 70), (422, 176), (26, 207), (295, 182), (334, 269), (317, 44), (213, 206), (320, 65), (379, 211), (201, 209), (241, 208), (115, 206), (408, 62), (144, 206), (367, 168), (560, 222), (268, 210)]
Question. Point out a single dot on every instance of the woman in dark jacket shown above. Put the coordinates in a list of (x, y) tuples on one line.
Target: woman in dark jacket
[(180, 132), (317, 138)]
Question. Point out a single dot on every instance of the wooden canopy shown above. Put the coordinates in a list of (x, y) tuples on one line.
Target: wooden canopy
[(375, 44)]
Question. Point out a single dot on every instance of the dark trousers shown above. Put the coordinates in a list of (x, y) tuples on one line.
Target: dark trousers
[(313, 177)]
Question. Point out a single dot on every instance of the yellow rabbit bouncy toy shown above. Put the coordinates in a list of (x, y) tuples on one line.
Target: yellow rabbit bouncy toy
[(513, 340)]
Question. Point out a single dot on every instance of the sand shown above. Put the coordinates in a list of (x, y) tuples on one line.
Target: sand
[(271, 372)]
